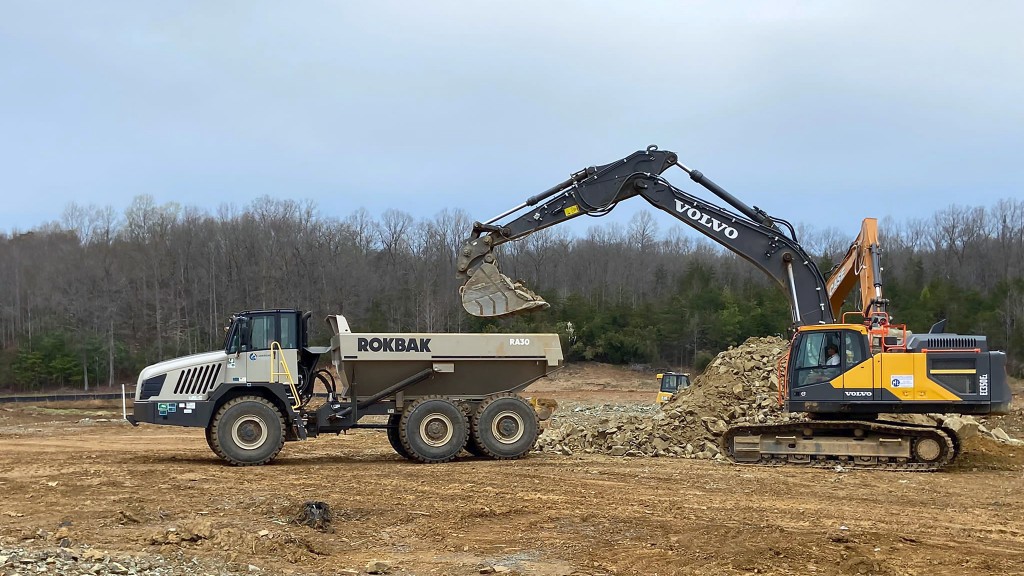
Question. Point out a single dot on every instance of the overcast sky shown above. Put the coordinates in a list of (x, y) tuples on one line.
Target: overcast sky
[(818, 112)]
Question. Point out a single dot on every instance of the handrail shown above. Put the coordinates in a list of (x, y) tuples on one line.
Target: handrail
[(903, 341), (277, 361)]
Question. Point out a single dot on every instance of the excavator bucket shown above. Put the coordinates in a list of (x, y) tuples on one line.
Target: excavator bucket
[(490, 294)]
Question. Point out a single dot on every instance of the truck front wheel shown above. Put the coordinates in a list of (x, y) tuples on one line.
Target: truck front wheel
[(247, 431)]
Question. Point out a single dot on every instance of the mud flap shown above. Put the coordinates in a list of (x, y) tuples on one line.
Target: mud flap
[(490, 294)]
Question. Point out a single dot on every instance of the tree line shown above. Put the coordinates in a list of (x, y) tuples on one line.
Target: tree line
[(95, 296)]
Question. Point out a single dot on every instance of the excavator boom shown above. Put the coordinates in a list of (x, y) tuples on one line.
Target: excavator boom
[(768, 243)]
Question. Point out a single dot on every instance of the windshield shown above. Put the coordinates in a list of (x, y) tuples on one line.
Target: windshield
[(233, 336), (673, 382)]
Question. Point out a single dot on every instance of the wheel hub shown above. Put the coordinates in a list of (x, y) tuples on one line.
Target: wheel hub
[(249, 432), (508, 427), (436, 429)]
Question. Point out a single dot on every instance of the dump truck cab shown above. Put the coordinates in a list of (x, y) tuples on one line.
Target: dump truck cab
[(254, 336)]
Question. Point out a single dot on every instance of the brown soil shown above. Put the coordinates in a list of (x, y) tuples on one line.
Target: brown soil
[(122, 488), (598, 382)]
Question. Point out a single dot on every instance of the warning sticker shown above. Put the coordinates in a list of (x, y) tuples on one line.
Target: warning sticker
[(902, 381)]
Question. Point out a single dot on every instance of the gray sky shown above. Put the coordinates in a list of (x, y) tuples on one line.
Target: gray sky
[(818, 112)]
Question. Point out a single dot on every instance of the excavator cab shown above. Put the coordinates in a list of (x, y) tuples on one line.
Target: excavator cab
[(821, 358)]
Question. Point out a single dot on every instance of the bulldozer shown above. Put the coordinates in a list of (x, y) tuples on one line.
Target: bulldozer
[(669, 383), (841, 370)]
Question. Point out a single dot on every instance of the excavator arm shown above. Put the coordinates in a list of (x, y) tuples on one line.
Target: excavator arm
[(749, 232), (862, 263)]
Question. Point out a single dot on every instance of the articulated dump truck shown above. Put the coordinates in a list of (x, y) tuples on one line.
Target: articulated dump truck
[(439, 393)]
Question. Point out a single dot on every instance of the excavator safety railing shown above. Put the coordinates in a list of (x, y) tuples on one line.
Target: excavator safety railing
[(881, 330)]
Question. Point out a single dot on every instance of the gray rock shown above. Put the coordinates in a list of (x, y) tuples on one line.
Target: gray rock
[(378, 567), (962, 427), (1001, 435)]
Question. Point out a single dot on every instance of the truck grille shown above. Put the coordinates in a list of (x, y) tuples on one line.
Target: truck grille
[(197, 380)]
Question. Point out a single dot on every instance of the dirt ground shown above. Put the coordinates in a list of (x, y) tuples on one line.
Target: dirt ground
[(121, 489)]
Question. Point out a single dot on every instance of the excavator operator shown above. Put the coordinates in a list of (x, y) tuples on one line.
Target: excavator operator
[(833, 355)]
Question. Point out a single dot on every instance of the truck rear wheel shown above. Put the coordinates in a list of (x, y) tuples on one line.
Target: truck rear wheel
[(472, 447), (247, 431), (394, 437), (505, 427), (433, 430)]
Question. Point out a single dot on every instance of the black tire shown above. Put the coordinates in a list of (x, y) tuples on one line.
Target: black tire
[(468, 408), (473, 447), (505, 427), (394, 438), (209, 438), (247, 431), (433, 430)]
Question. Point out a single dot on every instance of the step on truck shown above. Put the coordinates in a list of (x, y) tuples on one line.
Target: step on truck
[(434, 394)]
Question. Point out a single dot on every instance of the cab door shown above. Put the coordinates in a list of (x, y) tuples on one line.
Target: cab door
[(858, 372), (262, 332)]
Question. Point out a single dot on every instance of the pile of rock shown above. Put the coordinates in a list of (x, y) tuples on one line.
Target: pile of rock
[(739, 386), (964, 427), (23, 561)]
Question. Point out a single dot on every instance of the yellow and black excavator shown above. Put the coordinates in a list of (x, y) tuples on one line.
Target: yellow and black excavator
[(841, 374)]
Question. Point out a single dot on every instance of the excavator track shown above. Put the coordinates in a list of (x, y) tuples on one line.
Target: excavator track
[(850, 444)]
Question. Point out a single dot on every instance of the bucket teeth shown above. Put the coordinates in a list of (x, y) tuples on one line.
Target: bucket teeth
[(490, 294)]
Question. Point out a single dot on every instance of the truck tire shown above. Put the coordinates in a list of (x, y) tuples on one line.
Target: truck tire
[(394, 437), (472, 446), (209, 439), (433, 430), (505, 427), (247, 431)]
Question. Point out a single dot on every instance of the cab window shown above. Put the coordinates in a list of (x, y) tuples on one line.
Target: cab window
[(289, 331), (812, 358), (853, 348), (263, 329), (233, 339)]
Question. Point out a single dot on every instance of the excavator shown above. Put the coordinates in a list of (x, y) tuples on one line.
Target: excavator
[(841, 374)]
